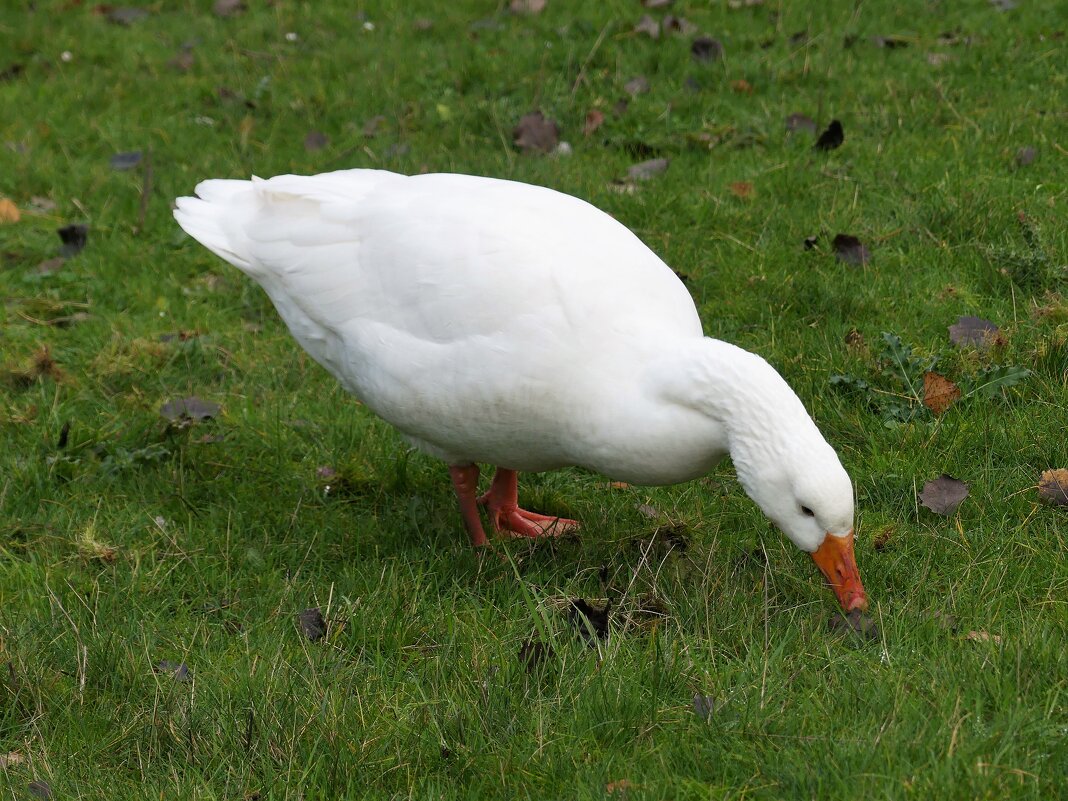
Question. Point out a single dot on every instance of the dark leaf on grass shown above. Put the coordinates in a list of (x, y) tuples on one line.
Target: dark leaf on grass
[(586, 619), (856, 622), (705, 48), (649, 26), (125, 161), (638, 85), (973, 331), (800, 122), (1053, 487), (126, 15), (312, 624), (186, 409), (703, 706), (939, 393), (679, 25), (228, 8), (535, 133), (1025, 155), (315, 140), (645, 170), (11, 72), (851, 250), (947, 621), (534, 652), (944, 494), (892, 42), (594, 120), (177, 670), (831, 138), (530, 7), (39, 789), (74, 237)]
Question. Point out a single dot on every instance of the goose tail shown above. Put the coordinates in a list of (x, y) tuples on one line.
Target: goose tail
[(215, 218)]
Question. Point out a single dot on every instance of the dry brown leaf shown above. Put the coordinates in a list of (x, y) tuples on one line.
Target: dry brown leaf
[(527, 6), (618, 786), (742, 86), (939, 393), (535, 133), (1053, 487), (742, 189), (594, 120), (983, 636), (618, 485), (11, 758), (9, 212)]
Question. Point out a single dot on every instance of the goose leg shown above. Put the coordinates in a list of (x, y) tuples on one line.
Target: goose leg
[(502, 503), (465, 482)]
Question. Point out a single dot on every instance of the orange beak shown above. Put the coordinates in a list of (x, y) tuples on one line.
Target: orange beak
[(836, 561)]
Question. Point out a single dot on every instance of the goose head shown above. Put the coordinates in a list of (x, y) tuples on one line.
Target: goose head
[(782, 460)]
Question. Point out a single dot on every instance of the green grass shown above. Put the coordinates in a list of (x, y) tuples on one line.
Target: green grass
[(136, 543)]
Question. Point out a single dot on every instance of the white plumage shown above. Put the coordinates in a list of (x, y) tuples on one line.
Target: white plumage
[(496, 322)]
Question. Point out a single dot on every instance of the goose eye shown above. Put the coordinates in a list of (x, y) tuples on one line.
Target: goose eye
[(807, 512)]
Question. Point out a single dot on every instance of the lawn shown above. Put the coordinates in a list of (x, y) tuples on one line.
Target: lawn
[(156, 575)]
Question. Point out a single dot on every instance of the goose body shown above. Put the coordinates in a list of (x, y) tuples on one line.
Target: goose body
[(502, 323)]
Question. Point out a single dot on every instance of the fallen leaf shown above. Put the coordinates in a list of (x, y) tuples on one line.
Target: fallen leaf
[(939, 393), (534, 652), (126, 15), (944, 494), (42, 205), (854, 339), (228, 8), (189, 409), (589, 621), (856, 622), (938, 59), (182, 61), (1025, 155), (422, 23), (315, 140), (742, 189), (973, 331), (594, 120), (645, 170), (705, 48), (891, 42), (529, 7), (1003, 5), (983, 636), (703, 706), (649, 26), (177, 670), (831, 138), (9, 212), (849, 249), (125, 161), (312, 624), (1053, 487), (638, 85), (535, 133), (618, 786), (618, 485), (74, 238), (947, 620), (679, 25), (742, 86), (646, 510), (657, 3), (39, 789)]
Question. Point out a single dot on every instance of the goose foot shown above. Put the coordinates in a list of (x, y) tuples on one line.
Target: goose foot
[(502, 505)]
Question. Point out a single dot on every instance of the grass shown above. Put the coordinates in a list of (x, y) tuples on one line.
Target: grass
[(137, 543)]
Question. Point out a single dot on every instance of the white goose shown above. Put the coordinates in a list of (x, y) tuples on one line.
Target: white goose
[(498, 322)]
